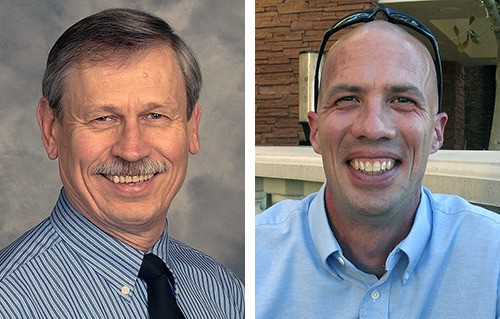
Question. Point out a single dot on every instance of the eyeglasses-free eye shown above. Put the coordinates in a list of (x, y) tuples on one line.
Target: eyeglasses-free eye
[(393, 16)]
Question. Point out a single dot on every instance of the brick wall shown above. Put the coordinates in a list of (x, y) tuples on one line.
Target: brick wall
[(479, 105), (283, 29), (454, 105)]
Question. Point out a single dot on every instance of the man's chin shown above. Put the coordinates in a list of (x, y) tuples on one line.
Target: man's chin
[(373, 208)]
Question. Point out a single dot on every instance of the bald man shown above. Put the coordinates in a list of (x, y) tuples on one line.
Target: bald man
[(374, 243)]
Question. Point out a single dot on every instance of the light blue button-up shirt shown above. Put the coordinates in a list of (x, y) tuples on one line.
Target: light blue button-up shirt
[(447, 267)]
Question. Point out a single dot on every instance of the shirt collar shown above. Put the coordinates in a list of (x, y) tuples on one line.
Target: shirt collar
[(321, 233), (413, 245), (160, 248), (116, 261)]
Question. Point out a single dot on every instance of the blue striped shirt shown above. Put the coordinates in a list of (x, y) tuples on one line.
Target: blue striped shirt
[(66, 267)]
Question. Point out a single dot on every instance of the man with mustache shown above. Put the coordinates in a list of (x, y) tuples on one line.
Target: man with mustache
[(120, 112), (373, 243)]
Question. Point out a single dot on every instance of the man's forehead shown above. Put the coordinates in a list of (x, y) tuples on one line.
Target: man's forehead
[(379, 32), (377, 39), (117, 57), (376, 47)]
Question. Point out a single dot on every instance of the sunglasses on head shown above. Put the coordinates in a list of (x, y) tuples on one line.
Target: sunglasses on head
[(393, 16)]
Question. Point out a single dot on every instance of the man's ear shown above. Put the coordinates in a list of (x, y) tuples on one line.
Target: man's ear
[(193, 125), (438, 133), (313, 135), (47, 123)]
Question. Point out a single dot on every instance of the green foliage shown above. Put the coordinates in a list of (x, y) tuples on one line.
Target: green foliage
[(469, 35)]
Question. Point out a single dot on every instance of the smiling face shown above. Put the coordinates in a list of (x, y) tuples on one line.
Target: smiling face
[(124, 140), (376, 123)]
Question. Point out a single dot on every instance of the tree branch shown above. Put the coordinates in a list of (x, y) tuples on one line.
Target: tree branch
[(494, 13)]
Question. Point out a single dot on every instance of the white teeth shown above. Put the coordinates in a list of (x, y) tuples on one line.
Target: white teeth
[(368, 167), (376, 167), (355, 164), (129, 179), (389, 165)]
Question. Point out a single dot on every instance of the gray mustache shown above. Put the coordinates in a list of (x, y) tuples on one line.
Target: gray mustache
[(122, 167)]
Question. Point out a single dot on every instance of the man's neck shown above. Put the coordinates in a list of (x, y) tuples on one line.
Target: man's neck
[(141, 237), (367, 246), (142, 241)]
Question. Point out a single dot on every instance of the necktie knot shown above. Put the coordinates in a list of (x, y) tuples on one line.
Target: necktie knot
[(159, 280), (152, 267)]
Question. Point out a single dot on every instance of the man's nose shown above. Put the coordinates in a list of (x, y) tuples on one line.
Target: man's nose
[(374, 122), (131, 141)]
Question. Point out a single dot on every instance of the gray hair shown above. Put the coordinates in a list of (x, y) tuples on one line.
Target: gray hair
[(115, 35)]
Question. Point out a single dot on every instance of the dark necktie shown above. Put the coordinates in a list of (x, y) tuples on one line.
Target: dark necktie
[(161, 299)]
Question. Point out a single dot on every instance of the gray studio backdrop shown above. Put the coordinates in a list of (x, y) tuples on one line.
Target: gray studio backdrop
[(208, 213)]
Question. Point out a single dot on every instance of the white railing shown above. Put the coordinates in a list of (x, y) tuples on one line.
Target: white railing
[(294, 172)]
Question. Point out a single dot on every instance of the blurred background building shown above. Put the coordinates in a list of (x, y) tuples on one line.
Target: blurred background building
[(285, 28)]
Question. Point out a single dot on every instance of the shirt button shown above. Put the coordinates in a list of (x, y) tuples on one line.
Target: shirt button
[(375, 294), (341, 261), (125, 290)]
